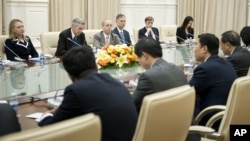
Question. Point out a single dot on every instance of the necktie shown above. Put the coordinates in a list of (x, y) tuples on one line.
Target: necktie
[(74, 44), (122, 37), (150, 35), (107, 40)]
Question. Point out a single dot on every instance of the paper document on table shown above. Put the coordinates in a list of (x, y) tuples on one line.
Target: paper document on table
[(36, 59), (36, 115), (3, 101)]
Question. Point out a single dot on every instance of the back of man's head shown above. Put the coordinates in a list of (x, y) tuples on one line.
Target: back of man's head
[(231, 37), (211, 41), (149, 46), (78, 60)]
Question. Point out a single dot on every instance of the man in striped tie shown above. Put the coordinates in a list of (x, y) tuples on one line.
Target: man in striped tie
[(119, 30)]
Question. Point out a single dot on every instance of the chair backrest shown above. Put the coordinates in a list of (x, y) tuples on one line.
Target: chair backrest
[(166, 115), (2, 41), (86, 127), (136, 34), (237, 107), (168, 32), (89, 35), (49, 41), (248, 73)]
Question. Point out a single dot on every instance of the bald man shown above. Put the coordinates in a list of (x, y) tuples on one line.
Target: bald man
[(105, 37)]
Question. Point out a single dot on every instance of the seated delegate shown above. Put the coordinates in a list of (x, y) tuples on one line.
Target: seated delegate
[(18, 45)]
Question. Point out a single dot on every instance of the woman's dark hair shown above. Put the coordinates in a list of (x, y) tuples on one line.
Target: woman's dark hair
[(78, 60), (186, 21), (149, 46)]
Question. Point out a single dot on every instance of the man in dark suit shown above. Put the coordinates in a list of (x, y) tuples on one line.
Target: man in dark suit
[(213, 78), (238, 56), (160, 75), (120, 31), (105, 37), (149, 30), (8, 120), (71, 37), (95, 92)]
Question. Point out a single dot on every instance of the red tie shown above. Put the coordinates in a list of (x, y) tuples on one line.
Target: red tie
[(150, 35)]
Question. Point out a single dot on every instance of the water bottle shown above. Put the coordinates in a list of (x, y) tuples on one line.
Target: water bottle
[(190, 67), (14, 101), (42, 59), (1, 63), (170, 44), (94, 49), (190, 43)]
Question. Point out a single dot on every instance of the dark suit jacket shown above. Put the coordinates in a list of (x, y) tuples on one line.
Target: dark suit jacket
[(161, 76), (143, 30), (8, 120), (240, 59), (64, 44), (99, 40), (22, 49), (126, 36), (212, 81), (103, 95), (181, 33)]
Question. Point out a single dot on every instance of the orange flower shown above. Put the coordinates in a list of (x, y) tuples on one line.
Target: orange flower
[(117, 56), (103, 62)]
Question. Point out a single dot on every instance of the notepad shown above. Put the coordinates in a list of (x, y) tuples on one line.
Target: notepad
[(35, 116)]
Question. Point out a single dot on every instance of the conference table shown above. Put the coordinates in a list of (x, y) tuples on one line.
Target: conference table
[(35, 83)]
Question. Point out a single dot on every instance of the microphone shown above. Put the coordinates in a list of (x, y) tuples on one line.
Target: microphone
[(123, 41), (176, 36), (180, 38), (55, 96), (18, 58), (190, 34), (74, 42)]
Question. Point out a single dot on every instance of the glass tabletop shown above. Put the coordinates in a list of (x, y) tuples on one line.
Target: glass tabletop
[(36, 79)]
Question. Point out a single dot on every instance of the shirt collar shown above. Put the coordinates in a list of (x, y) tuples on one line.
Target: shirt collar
[(105, 35), (119, 30), (72, 33), (232, 51), (206, 59), (154, 62)]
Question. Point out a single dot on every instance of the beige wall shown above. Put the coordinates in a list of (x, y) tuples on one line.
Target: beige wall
[(1, 17), (93, 11)]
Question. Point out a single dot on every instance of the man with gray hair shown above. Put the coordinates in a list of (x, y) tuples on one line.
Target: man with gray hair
[(71, 37), (105, 37)]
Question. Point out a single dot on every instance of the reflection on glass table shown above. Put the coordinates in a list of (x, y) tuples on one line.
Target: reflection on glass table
[(50, 77), (177, 54)]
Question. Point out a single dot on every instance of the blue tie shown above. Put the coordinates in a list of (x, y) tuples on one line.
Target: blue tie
[(75, 42), (122, 37)]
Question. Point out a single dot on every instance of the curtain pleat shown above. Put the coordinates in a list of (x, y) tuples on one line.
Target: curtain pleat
[(214, 16)]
